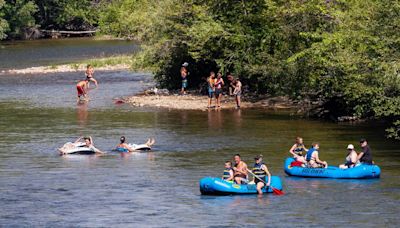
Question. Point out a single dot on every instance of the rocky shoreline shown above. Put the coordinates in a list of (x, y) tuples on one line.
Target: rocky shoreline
[(62, 69), (163, 99)]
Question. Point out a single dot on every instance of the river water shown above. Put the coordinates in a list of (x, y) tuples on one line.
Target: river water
[(38, 187)]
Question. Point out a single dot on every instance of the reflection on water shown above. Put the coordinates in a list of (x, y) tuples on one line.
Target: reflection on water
[(82, 113), (160, 188)]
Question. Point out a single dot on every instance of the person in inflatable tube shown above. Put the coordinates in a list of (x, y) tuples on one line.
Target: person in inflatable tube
[(88, 144), (298, 150), (240, 170), (124, 147), (312, 158), (351, 158), (261, 171)]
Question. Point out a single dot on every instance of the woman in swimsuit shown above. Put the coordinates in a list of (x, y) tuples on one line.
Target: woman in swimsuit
[(123, 146), (351, 158), (298, 150), (218, 89)]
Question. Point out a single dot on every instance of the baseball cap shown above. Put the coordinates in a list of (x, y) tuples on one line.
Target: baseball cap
[(350, 147)]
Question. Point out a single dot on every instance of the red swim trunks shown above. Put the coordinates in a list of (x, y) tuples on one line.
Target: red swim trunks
[(80, 90)]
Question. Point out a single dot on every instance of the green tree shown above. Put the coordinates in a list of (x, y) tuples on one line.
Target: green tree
[(3, 22), (19, 15)]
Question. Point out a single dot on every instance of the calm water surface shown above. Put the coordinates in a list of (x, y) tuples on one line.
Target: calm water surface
[(38, 113), (22, 54)]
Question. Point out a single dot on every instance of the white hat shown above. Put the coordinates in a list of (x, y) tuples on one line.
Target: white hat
[(350, 147), (185, 64)]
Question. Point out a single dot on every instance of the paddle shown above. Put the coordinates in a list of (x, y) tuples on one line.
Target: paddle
[(274, 190)]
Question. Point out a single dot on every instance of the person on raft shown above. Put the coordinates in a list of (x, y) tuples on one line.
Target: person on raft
[(260, 171), (228, 172), (82, 87), (365, 156), (351, 158), (298, 149), (312, 158), (89, 75), (184, 74), (88, 144), (123, 145), (240, 170)]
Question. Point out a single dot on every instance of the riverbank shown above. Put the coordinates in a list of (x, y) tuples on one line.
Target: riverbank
[(200, 102), (122, 62)]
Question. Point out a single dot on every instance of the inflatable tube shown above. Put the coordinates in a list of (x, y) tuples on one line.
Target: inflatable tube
[(218, 186), (139, 147), (75, 148), (361, 171)]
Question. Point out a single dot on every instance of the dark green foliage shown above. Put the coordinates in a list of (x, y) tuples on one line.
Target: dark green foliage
[(23, 17)]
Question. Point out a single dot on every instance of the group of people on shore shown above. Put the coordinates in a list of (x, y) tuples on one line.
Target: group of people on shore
[(215, 86), (87, 142), (239, 173), (310, 157), (83, 86)]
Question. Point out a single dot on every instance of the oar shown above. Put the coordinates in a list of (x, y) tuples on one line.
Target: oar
[(275, 190)]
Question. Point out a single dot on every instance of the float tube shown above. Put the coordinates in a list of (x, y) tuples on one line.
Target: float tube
[(75, 148), (138, 147), (362, 171), (218, 186)]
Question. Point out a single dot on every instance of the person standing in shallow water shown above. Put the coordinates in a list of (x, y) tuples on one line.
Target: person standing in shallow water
[(82, 87), (184, 75), (211, 88), (89, 76), (218, 89), (237, 92)]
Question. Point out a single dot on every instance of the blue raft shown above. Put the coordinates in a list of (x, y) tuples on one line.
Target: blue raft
[(362, 171), (218, 186)]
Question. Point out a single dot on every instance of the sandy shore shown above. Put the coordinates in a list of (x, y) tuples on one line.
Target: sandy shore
[(62, 68), (198, 102)]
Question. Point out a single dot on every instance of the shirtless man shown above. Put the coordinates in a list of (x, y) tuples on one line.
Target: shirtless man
[(184, 74), (240, 170), (82, 87), (237, 92)]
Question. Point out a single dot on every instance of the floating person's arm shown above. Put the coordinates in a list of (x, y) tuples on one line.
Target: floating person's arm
[(97, 151), (79, 139)]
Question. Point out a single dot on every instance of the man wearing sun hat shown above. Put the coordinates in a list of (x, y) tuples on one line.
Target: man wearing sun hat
[(365, 156)]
